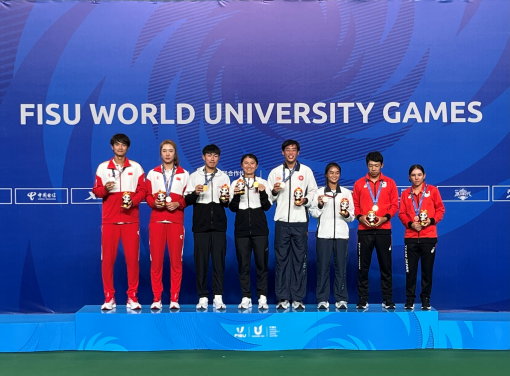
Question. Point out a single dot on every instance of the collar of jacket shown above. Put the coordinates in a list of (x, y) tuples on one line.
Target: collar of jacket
[(179, 169), (338, 190), (298, 165), (111, 165), (381, 177)]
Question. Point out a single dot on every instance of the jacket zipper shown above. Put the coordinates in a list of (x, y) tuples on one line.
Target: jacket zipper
[(212, 201), (249, 214), (290, 197), (415, 214), (334, 217)]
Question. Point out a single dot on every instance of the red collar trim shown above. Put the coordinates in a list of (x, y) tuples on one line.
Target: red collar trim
[(111, 165), (179, 170)]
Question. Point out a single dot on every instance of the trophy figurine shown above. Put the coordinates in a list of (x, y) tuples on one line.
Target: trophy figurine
[(224, 191), (344, 205), (241, 186), (372, 218), (298, 195), (126, 199), (423, 217), (160, 196)]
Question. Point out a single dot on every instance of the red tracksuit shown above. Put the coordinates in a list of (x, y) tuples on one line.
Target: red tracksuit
[(420, 245), (432, 203), (388, 199), (166, 227), (119, 223), (378, 237)]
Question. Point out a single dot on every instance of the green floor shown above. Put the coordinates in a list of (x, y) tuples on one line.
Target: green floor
[(211, 363)]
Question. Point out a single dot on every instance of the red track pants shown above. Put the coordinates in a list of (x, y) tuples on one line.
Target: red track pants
[(129, 234), (161, 234)]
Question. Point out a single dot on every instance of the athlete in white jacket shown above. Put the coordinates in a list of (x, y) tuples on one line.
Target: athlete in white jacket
[(333, 209), (293, 188)]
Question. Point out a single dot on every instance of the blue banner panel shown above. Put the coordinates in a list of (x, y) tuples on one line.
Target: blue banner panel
[(501, 193), (5, 196), (423, 82)]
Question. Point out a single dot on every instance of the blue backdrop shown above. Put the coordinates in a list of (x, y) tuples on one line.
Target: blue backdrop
[(449, 56)]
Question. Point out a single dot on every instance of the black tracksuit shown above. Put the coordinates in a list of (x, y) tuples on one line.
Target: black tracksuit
[(251, 233)]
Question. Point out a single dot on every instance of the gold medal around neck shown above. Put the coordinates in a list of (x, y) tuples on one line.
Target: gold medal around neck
[(375, 208), (256, 184), (205, 187)]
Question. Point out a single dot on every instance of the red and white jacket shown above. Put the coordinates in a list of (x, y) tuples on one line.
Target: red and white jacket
[(388, 200), (156, 183), (432, 203), (130, 178)]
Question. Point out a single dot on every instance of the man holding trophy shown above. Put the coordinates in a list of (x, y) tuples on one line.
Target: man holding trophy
[(293, 188), (209, 225), (121, 184), (375, 203)]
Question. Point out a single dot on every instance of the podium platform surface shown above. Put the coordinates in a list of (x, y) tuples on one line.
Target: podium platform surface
[(375, 328)]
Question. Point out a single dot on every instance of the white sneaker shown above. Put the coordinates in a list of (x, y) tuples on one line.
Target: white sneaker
[(245, 303), (342, 304), (298, 305), (263, 302), (323, 305), (283, 304), (132, 303), (109, 304), (218, 302), (156, 305), (203, 303), (174, 305)]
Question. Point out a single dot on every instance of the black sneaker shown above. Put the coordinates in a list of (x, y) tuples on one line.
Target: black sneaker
[(409, 303), (362, 303), (388, 304), (425, 304)]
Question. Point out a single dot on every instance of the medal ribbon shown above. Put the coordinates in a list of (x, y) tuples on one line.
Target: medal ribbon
[(246, 183), (207, 181), (168, 187), (120, 169), (417, 209), (290, 173), (376, 198)]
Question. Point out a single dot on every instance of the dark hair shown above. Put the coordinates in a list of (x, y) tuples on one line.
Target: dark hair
[(170, 142), (416, 166), (374, 156), (249, 155), (332, 164), (122, 138), (289, 143), (211, 149)]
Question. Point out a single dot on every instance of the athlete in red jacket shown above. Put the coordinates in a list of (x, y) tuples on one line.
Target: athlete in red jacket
[(165, 188), (375, 199), (421, 208), (121, 184)]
